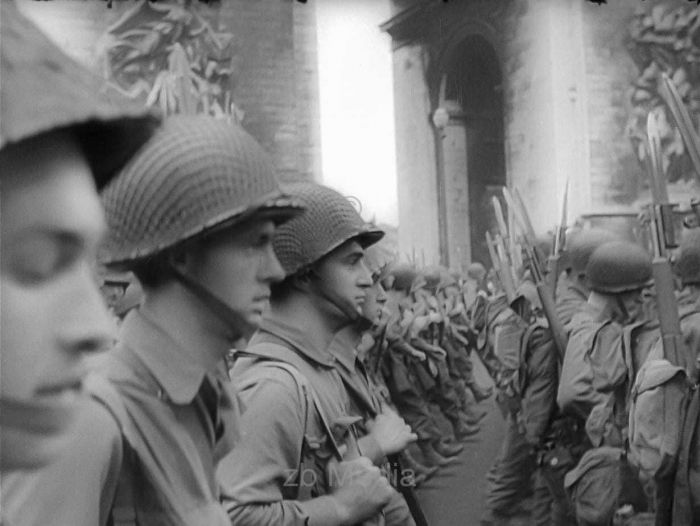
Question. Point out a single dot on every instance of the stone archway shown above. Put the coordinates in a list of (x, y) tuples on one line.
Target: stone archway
[(473, 150)]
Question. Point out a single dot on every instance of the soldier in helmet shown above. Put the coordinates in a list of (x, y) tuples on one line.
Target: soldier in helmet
[(620, 275), (301, 458), (192, 215), (378, 415), (576, 395), (574, 288), (60, 141)]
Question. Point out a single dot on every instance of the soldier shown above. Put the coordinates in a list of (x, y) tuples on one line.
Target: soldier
[(573, 290), (620, 275), (576, 396), (192, 216), (60, 140), (289, 467), (408, 381), (378, 417), (527, 384)]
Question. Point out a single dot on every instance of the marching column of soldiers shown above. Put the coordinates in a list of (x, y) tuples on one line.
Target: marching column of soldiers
[(267, 360)]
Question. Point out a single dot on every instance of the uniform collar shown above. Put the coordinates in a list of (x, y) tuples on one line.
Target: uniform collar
[(180, 373), (292, 336), (343, 347)]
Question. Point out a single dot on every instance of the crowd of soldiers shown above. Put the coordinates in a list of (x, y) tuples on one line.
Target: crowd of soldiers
[(272, 362)]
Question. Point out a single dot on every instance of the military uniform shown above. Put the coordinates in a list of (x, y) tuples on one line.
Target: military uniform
[(262, 475), (510, 479), (157, 395)]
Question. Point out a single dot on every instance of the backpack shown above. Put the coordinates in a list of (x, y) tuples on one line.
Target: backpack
[(601, 483), (657, 403)]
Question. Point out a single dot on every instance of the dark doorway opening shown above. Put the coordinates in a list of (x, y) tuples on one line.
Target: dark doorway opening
[(473, 93)]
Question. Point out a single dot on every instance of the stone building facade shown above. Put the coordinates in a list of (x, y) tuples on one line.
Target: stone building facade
[(277, 84), (526, 93)]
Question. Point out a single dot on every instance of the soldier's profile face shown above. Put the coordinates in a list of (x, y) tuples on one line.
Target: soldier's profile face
[(51, 222), (374, 301), (634, 303), (343, 275), (239, 264)]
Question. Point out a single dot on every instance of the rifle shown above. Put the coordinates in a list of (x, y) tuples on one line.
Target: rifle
[(662, 235), (506, 252), (504, 274), (660, 213), (543, 291), (406, 490), (553, 269)]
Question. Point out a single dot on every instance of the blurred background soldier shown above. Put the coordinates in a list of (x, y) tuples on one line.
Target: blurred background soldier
[(60, 139), (408, 381), (192, 215), (526, 387), (574, 288), (289, 467), (620, 275), (576, 396)]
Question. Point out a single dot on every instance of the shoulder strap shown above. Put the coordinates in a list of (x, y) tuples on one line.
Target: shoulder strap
[(303, 490), (293, 365), (123, 512)]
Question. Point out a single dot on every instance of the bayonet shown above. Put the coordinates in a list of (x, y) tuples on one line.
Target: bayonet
[(553, 269), (543, 291), (683, 121)]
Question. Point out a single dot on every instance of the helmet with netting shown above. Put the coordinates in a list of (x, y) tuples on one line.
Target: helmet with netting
[(581, 244), (688, 263), (44, 90), (329, 221), (197, 174), (619, 266)]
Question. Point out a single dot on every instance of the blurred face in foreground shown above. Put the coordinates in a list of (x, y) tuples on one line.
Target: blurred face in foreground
[(51, 310)]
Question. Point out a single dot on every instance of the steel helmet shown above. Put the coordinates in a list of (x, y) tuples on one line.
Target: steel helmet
[(44, 90), (329, 221), (404, 276), (476, 271), (378, 258), (688, 263), (432, 277), (582, 243), (196, 174), (619, 266)]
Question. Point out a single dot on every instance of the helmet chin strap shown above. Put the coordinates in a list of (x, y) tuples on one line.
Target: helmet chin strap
[(623, 309), (340, 303), (242, 327)]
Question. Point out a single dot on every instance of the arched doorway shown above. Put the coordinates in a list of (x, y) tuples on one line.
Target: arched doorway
[(473, 146)]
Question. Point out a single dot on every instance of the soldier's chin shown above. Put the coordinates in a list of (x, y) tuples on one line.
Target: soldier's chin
[(35, 432)]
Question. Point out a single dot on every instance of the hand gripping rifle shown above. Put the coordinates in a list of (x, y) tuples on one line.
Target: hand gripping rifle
[(543, 291), (553, 268)]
